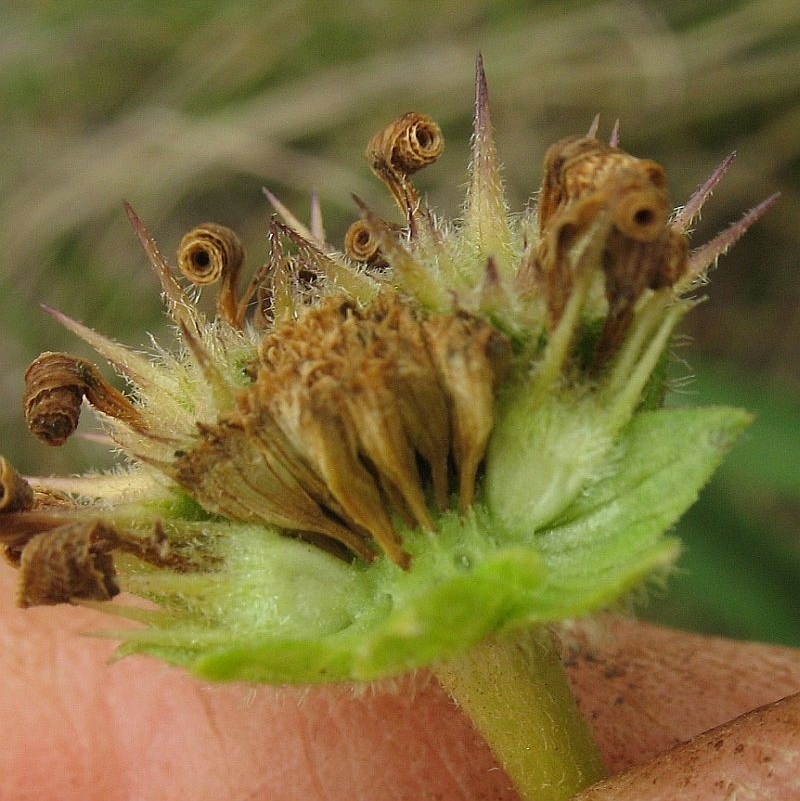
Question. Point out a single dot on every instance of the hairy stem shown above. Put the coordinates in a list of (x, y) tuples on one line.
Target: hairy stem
[(517, 695)]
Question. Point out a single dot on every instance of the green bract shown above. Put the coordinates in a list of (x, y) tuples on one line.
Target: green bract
[(283, 611)]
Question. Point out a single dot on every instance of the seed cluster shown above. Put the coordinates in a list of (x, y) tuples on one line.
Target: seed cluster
[(349, 409)]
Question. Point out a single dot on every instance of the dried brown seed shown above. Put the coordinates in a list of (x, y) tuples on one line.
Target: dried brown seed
[(212, 253), (55, 385), (398, 150), (16, 494), (70, 562)]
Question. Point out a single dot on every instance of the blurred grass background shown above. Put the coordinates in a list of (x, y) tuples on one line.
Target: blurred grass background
[(186, 108)]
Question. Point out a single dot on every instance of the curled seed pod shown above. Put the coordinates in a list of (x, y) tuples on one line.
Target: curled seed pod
[(16, 494), (70, 562), (55, 385)]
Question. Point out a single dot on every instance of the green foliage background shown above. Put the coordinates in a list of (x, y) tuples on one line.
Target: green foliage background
[(187, 109)]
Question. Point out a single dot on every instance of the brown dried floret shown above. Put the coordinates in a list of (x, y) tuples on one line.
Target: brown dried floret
[(592, 189), (30, 510), (347, 406), (471, 357), (64, 552), (408, 144), (69, 562), (362, 242), (55, 385), (212, 253), (577, 167)]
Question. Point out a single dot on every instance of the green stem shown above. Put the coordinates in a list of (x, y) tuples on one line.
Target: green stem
[(516, 693)]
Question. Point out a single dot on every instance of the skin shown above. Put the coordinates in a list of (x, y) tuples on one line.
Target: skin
[(79, 727)]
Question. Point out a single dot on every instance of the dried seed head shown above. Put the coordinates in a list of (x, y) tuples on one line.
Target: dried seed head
[(55, 385), (346, 405)]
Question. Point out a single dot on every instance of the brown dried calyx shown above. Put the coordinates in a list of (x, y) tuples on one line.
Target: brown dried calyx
[(64, 551), (620, 202), (72, 561), (16, 494), (59, 557), (356, 416)]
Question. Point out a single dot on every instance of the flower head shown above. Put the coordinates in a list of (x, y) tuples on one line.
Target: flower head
[(367, 461)]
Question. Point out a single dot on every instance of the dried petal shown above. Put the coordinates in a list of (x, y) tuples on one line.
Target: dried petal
[(362, 244), (212, 253), (398, 150), (67, 563), (55, 385)]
